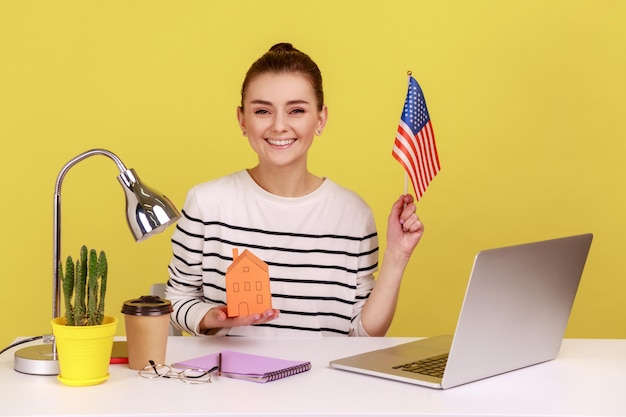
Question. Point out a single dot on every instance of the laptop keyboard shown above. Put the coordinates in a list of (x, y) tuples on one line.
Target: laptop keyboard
[(431, 366)]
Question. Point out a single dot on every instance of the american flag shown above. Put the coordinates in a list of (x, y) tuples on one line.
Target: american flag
[(414, 146)]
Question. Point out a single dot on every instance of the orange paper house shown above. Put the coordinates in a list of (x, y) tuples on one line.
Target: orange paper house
[(247, 285)]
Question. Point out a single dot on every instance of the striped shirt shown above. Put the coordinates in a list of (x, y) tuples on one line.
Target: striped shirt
[(321, 250)]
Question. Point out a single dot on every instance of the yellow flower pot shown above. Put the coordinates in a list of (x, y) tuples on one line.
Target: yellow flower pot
[(84, 351)]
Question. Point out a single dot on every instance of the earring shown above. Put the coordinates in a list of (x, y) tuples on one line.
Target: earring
[(244, 132), (318, 132)]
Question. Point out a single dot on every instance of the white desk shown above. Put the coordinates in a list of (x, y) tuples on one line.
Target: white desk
[(587, 379)]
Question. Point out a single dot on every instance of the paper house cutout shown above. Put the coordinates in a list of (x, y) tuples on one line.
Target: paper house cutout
[(247, 285)]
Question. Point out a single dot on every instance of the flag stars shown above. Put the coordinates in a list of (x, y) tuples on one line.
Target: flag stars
[(415, 113)]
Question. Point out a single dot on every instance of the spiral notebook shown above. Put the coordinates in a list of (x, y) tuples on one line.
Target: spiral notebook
[(246, 366)]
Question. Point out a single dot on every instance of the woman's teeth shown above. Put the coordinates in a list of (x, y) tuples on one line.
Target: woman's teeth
[(281, 142)]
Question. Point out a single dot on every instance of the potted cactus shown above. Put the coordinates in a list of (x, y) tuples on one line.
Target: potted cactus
[(85, 284), (84, 336)]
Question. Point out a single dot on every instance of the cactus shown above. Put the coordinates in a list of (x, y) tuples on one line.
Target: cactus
[(85, 285), (80, 309), (92, 289), (103, 270), (68, 289)]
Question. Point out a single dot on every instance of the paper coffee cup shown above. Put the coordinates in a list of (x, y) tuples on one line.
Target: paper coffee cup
[(147, 325)]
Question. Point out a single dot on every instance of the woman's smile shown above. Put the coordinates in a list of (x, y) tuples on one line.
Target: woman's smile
[(281, 143)]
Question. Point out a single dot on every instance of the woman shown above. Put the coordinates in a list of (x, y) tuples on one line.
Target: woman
[(318, 239)]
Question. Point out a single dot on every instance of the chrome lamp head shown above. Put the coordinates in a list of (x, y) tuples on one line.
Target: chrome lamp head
[(147, 211)]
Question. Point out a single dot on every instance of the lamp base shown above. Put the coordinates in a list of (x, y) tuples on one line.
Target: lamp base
[(36, 360)]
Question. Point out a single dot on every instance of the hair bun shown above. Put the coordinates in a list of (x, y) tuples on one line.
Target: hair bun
[(283, 58), (283, 46)]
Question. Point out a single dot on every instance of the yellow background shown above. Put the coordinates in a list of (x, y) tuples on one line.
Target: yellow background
[(526, 100)]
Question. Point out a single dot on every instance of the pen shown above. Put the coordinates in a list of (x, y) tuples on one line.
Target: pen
[(219, 364)]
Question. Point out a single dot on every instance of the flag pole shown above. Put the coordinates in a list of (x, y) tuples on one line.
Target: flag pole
[(406, 183)]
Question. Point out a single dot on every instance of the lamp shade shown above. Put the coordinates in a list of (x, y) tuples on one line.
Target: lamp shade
[(147, 210)]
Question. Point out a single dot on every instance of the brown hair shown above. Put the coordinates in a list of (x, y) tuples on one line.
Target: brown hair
[(283, 57)]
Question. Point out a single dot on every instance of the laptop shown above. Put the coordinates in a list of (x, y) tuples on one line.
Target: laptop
[(516, 308)]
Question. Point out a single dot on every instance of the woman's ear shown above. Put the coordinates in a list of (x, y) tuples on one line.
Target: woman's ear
[(322, 119), (240, 120)]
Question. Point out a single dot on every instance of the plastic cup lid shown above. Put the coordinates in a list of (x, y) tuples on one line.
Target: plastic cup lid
[(147, 305)]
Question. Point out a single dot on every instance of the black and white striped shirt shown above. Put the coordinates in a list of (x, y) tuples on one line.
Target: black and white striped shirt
[(321, 249)]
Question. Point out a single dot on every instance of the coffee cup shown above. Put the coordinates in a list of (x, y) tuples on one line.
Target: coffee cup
[(147, 320)]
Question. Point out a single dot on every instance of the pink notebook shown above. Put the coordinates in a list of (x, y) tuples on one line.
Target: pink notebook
[(246, 366)]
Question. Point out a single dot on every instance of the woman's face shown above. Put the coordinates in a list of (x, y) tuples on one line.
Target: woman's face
[(280, 118)]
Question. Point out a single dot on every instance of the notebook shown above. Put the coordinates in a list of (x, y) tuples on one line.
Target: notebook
[(246, 366), (516, 308)]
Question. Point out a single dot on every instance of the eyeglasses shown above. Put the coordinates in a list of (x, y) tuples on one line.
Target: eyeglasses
[(188, 376)]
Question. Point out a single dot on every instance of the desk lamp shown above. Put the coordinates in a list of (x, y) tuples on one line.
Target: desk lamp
[(147, 211)]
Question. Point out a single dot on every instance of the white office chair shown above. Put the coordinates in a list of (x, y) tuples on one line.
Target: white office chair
[(159, 291)]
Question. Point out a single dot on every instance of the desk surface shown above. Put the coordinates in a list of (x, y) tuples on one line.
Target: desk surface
[(587, 379)]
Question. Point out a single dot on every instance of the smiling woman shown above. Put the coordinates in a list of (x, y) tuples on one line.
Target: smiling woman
[(318, 239)]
